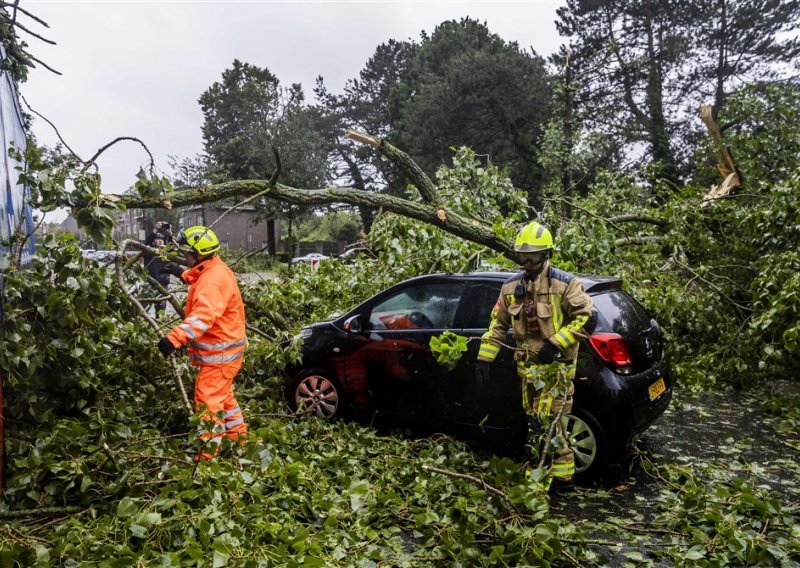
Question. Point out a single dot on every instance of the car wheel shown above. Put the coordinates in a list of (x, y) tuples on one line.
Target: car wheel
[(586, 438), (318, 390)]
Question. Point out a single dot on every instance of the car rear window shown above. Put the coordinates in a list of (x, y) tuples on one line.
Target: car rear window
[(620, 313)]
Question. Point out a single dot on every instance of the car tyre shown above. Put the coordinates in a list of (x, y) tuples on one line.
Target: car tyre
[(319, 389), (587, 440)]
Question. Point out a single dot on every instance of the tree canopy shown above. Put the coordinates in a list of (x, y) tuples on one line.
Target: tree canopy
[(246, 114)]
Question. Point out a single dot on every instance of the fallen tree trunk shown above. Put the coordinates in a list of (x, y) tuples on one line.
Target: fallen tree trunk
[(470, 229)]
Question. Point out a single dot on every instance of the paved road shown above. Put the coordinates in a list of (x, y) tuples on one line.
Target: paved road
[(696, 429)]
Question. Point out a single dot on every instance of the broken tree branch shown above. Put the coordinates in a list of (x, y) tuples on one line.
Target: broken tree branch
[(53, 126), (119, 261), (102, 149), (476, 480), (41, 512), (732, 177), (422, 182), (448, 221)]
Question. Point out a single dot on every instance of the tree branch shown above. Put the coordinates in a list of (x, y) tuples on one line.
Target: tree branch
[(41, 512), (53, 126), (91, 160), (422, 182), (24, 11), (121, 282), (627, 241), (476, 480), (637, 219), (429, 213)]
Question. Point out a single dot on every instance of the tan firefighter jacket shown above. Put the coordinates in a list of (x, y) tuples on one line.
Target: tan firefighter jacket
[(554, 307)]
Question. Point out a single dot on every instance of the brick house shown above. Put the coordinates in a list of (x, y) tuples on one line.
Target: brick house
[(235, 231)]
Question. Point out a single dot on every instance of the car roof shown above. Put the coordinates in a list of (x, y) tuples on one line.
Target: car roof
[(591, 282)]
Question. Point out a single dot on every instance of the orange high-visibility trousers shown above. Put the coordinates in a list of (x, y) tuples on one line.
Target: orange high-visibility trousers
[(213, 388)]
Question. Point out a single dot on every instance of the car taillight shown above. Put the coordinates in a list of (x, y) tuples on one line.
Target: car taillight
[(613, 349)]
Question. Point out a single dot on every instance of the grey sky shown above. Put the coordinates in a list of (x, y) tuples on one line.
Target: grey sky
[(138, 68)]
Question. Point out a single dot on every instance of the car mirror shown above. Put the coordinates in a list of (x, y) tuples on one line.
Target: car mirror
[(353, 324)]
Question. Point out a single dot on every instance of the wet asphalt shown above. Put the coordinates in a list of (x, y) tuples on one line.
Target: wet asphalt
[(702, 428)]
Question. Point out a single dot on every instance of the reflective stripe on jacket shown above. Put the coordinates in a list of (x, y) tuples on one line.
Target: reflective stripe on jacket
[(559, 308), (214, 323)]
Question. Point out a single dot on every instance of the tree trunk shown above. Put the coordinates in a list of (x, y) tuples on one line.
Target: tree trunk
[(657, 127)]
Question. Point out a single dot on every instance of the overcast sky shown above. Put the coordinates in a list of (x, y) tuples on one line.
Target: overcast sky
[(137, 68)]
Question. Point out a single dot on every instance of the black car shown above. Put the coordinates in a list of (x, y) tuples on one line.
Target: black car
[(377, 358)]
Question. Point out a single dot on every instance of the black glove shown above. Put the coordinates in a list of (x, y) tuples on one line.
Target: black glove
[(165, 346), (548, 353), (591, 323), (482, 369), (171, 268)]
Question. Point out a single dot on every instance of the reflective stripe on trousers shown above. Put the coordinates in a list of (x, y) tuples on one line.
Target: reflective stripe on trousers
[(213, 389), (537, 380)]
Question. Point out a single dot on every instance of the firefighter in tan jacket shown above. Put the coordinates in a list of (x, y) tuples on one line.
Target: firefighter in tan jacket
[(547, 310)]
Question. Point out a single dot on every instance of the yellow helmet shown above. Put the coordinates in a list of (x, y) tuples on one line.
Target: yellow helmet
[(533, 237), (199, 239)]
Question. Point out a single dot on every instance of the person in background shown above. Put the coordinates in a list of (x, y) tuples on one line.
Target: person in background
[(213, 328), (158, 268), (162, 230), (547, 309)]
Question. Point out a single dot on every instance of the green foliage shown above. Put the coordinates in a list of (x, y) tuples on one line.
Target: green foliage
[(68, 331), (48, 175), (722, 281), (331, 226), (448, 348), (246, 114), (94, 423), (718, 515), (632, 86), (464, 86), (153, 186)]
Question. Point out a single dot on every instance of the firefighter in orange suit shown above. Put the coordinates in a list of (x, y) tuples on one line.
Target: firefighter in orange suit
[(548, 311), (214, 331)]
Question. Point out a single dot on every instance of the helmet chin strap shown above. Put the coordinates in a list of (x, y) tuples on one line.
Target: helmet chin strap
[(534, 273)]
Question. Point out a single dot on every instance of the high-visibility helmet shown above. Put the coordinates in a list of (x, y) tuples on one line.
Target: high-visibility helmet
[(533, 237), (199, 239)]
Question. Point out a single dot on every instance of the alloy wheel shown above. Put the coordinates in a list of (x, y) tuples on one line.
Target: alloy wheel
[(319, 393), (581, 440)]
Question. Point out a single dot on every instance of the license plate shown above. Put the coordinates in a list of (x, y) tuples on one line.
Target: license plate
[(657, 389)]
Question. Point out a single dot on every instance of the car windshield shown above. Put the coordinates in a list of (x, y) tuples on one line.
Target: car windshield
[(421, 306)]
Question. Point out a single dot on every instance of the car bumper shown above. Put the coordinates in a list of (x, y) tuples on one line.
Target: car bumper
[(630, 409)]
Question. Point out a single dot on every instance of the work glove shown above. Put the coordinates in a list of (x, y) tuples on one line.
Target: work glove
[(175, 269), (591, 323), (165, 346), (482, 369), (548, 353)]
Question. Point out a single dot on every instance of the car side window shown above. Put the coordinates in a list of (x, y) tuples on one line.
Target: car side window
[(476, 307), (424, 306)]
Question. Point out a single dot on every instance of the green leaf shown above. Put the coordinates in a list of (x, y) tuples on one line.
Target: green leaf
[(127, 507)]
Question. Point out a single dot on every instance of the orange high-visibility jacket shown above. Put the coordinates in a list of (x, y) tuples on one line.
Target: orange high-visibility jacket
[(214, 324)]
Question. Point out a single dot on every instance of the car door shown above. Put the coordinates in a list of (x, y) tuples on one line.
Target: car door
[(496, 404), (402, 373)]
